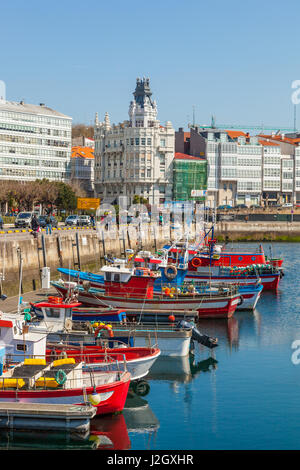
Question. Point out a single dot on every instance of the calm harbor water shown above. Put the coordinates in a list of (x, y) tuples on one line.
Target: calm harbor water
[(245, 395)]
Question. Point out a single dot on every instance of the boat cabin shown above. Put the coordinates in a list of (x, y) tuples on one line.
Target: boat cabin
[(56, 315), (132, 282), (17, 341)]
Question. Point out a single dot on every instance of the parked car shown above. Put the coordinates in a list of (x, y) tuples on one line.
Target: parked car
[(1, 222), (42, 221), (225, 217), (83, 220), (23, 219), (241, 206), (254, 206), (71, 220), (287, 204), (224, 207)]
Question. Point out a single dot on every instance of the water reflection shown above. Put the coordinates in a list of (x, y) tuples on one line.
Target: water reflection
[(138, 415), (226, 330), (110, 432), (39, 440), (181, 369)]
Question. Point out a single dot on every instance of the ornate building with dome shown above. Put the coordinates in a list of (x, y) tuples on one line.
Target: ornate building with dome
[(135, 157)]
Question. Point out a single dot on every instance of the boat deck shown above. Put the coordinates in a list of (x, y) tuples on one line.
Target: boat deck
[(27, 370), (42, 416)]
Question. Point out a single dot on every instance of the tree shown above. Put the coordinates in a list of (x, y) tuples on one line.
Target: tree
[(66, 197), (79, 130)]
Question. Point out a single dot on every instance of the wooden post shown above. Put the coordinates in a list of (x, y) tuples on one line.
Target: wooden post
[(44, 250), (59, 251), (78, 251)]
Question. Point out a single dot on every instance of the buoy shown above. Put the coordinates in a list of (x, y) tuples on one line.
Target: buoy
[(167, 291), (171, 318), (94, 398)]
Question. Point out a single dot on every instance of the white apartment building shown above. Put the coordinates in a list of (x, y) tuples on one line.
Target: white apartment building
[(135, 157), (35, 142), (244, 169)]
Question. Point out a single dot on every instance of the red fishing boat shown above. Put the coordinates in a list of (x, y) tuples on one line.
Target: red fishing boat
[(123, 289), (218, 266), (61, 381)]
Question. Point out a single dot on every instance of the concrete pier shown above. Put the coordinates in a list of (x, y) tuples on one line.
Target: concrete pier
[(58, 417)]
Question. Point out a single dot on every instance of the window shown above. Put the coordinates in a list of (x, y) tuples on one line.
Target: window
[(149, 141), (162, 142), (52, 312), (21, 347)]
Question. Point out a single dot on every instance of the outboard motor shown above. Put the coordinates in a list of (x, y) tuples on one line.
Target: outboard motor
[(197, 336)]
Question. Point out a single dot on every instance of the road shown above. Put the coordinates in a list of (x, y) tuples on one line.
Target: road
[(11, 231)]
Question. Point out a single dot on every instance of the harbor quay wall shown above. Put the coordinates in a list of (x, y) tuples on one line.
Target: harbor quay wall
[(258, 231)]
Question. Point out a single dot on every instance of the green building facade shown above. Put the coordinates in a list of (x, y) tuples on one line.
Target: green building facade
[(189, 174)]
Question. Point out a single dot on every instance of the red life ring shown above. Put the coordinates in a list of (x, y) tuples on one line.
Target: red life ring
[(105, 327), (196, 262)]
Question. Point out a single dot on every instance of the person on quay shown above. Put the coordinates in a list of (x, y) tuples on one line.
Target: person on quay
[(48, 224), (35, 226)]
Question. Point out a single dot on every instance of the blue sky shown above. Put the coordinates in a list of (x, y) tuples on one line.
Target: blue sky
[(233, 59)]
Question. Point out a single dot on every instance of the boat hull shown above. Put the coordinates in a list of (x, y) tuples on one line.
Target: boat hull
[(207, 306), (250, 299), (268, 281), (136, 360), (113, 395)]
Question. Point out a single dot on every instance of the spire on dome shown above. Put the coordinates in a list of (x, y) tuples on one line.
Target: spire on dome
[(142, 90)]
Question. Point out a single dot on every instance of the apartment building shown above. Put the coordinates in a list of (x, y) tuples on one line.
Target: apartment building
[(189, 177), (82, 168), (244, 169), (135, 157), (35, 142)]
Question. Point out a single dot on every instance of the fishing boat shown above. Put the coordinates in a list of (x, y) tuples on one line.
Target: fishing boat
[(64, 382), (267, 275), (57, 320), (175, 275), (124, 290), (30, 374), (216, 266), (96, 357), (220, 254), (138, 360)]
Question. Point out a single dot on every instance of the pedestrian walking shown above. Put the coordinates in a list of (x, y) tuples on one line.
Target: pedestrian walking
[(93, 221), (35, 226), (48, 224)]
